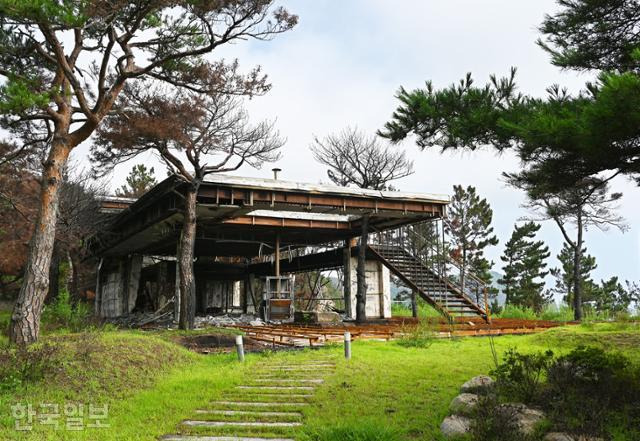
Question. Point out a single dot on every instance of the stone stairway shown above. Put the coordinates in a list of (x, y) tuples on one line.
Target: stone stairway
[(268, 406)]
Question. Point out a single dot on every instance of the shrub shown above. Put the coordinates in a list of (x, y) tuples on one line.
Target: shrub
[(492, 422), (520, 376), (418, 336), (589, 386), (61, 313), (517, 312), (25, 365)]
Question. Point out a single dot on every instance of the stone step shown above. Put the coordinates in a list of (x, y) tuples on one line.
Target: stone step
[(259, 403), (218, 438), (195, 423), (289, 380), (248, 412), (309, 365), (267, 396), (275, 387)]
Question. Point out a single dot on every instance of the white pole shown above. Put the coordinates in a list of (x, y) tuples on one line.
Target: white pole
[(239, 348), (347, 345)]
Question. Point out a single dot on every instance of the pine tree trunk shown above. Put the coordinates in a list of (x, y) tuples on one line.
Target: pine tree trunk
[(185, 261), (25, 321), (577, 272), (361, 293), (54, 276)]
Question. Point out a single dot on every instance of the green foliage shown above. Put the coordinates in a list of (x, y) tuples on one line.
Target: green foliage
[(520, 376), (562, 313), (420, 335), (524, 267), (468, 224), (588, 387), (139, 181), (493, 422), (518, 312), (25, 365), (17, 96), (587, 34), (564, 274), (66, 12), (63, 314)]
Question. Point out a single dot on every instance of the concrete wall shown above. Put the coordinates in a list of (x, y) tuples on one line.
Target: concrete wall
[(118, 286), (378, 288)]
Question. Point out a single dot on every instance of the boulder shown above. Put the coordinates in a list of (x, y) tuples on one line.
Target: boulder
[(558, 436), (479, 384), (525, 417), (454, 426), (463, 404)]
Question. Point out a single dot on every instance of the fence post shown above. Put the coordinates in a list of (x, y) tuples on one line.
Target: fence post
[(347, 345), (240, 348)]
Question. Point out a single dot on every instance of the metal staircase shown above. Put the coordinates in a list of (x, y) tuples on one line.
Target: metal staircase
[(435, 278)]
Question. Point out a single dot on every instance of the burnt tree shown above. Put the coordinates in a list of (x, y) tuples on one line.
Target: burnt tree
[(65, 63), (195, 134)]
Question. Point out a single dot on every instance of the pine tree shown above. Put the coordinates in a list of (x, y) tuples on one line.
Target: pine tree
[(468, 224), (564, 275), (524, 268), (139, 181)]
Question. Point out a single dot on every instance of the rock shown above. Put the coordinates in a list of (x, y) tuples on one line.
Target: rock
[(479, 384), (455, 425), (557, 436), (463, 404), (526, 418)]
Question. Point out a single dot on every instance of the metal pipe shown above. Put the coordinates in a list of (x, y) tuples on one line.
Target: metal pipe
[(240, 348), (347, 345)]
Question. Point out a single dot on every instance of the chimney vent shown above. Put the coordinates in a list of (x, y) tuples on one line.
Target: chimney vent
[(275, 172)]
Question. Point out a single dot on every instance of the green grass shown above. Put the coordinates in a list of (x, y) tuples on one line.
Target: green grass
[(408, 390), (424, 310), (386, 392), (149, 384)]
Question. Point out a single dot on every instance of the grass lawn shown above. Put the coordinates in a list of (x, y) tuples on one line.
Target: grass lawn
[(386, 392)]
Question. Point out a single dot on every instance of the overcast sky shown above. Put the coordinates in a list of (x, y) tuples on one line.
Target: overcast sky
[(346, 59)]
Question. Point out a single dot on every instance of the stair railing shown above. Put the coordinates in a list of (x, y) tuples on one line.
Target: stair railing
[(435, 261)]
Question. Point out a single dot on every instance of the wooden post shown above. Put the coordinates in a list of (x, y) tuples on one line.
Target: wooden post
[(486, 305)]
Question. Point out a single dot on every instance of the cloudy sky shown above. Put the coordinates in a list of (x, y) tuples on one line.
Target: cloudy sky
[(343, 63)]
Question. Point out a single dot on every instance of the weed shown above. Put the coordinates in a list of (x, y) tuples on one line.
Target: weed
[(22, 366), (63, 314), (418, 336)]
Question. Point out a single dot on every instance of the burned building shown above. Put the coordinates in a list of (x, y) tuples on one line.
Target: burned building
[(255, 235)]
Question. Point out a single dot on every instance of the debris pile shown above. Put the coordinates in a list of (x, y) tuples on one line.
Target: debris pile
[(228, 320)]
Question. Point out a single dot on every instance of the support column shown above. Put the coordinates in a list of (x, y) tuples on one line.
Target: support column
[(361, 295), (347, 279)]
